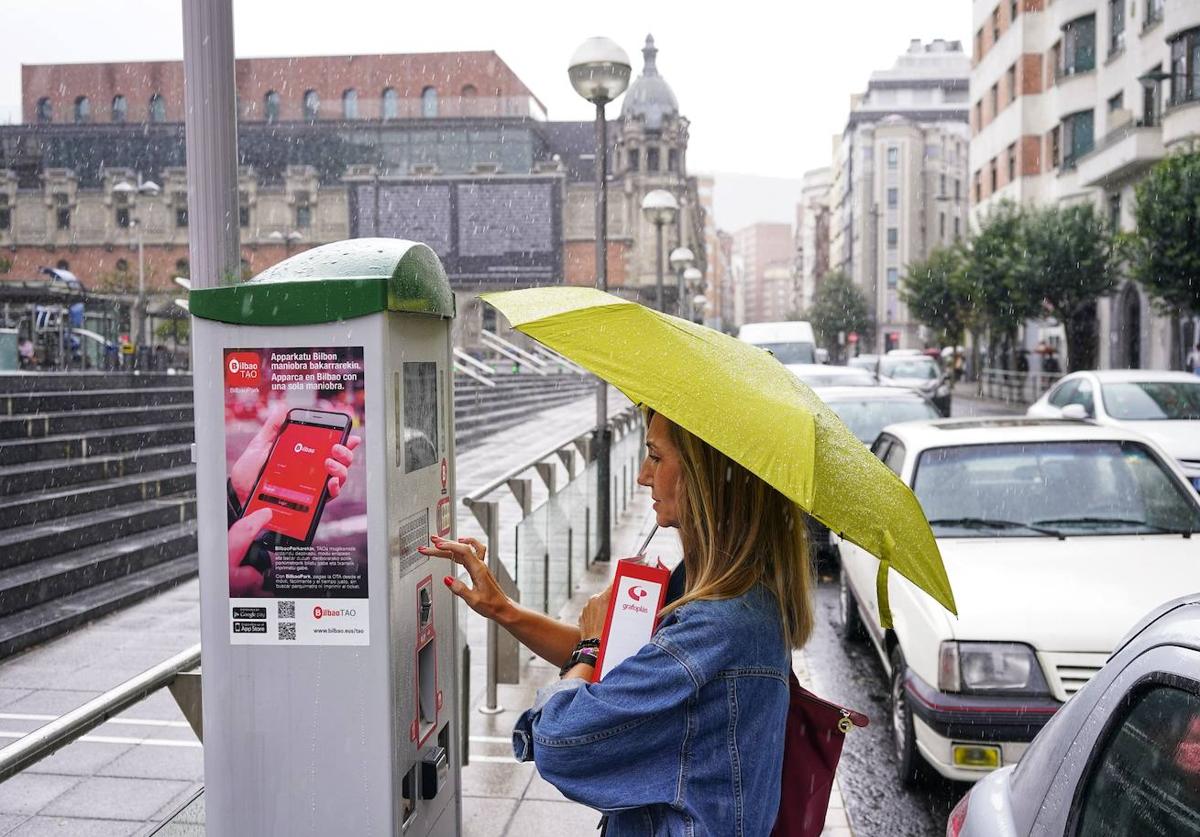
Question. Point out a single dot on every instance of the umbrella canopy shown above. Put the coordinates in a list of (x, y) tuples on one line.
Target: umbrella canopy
[(746, 404)]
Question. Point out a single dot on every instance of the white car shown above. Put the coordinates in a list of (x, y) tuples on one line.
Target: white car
[(1162, 405), (1057, 537), (824, 375)]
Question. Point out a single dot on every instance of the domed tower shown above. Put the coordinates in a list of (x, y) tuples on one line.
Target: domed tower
[(651, 153)]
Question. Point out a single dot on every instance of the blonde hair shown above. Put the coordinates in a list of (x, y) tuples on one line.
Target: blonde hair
[(737, 531)]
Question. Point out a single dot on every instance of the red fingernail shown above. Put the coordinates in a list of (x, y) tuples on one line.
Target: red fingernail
[(422, 549), (448, 581)]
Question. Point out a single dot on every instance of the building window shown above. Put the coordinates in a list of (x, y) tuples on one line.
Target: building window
[(978, 186), (1185, 66), (995, 24), (122, 266), (672, 160), (631, 157), (893, 276), (652, 159), (1012, 162), (63, 264), (957, 189), (62, 217), (83, 110), (1056, 146), (271, 106), (994, 175), (893, 198), (1152, 100), (350, 104), (243, 209), (893, 156), (181, 216), (893, 237), (303, 211), (1116, 102), (942, 226), (942, 186), (429, 103), (391, 103), (979, 45), (1012, 83), (1116, 26), (312, 105), (1114, 210), (120, 109), (1078, 136), (45, 110), (1154, 13), (995, 94), (1012, 10), (122, 217), (5, 213), (158, 108), (957, 228), (181, 268), (1079, 46)]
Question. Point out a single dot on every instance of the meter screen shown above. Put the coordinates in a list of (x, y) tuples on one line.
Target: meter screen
[(420, 415)]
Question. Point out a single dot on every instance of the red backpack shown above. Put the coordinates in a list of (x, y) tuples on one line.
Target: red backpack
[(813, 738)]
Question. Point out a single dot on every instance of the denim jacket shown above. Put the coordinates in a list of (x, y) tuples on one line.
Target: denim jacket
[(683, 738)]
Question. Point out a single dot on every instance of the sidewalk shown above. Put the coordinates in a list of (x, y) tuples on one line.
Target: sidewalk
[(502, 798)]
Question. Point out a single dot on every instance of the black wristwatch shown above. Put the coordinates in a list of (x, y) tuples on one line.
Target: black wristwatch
[(585, 652)]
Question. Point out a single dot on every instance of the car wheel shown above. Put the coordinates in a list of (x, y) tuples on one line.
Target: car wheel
[(904, 738), (852, 628)]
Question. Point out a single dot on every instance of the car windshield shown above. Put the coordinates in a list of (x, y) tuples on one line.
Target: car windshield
[(866, 417), (1153, 400), (839, 378), (791, 352), (863, 362), (922, 368), (1051, 488)]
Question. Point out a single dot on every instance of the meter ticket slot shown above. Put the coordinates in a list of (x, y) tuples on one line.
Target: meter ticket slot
[(325, 457)]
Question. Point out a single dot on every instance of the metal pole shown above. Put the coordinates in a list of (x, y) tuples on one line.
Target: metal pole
[(141, 298), (491, 704), (211, 134), (658, 269), (679, 305), (603, 435)]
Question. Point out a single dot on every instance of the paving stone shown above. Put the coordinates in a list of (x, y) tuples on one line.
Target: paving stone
[(486, 817), (115, 798), (79, 758), (145, 761), (8, 695), (76, 827), (10, 821), (29, 793), (538, 818), (494, 779), (539, 788)]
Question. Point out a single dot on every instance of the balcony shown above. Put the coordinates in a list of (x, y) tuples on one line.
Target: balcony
[(1124, 153)]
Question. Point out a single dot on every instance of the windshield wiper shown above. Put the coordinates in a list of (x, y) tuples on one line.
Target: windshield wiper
[(1119, 521), (991, 523)]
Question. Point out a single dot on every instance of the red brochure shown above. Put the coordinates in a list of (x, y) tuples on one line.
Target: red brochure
[(639, 590)]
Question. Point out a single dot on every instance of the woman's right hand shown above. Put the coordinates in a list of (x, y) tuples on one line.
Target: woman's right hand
[(484, 596)]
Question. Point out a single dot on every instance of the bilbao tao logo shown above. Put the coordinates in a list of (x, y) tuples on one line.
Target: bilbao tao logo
[(302, 448), (318, 612), (637, 593), (242, 368)]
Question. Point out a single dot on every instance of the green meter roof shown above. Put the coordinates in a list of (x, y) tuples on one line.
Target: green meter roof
[(334, 282)]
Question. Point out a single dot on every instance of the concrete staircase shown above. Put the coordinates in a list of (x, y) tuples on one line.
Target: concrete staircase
[(97, 489)]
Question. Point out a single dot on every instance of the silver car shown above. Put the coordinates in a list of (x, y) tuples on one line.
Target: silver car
[(1121, 757)]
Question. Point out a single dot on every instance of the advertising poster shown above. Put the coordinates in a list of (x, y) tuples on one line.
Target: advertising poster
[(296, 496)]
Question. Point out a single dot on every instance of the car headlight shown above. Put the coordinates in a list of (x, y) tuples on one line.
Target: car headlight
[(990, 668)]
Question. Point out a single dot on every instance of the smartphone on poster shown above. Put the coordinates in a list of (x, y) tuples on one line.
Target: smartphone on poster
[(294, 482)]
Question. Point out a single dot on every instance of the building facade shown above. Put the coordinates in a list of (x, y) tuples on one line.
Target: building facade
[(812, 234), (899, 179), (1072, 102), (764, 256), (451, 149)]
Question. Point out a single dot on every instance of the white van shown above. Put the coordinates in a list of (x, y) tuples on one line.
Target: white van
[(790, 342)]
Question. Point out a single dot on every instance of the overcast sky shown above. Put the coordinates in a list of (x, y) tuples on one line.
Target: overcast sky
[(765, 84)]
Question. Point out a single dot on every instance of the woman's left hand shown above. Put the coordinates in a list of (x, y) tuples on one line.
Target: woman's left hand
[(591, 621)]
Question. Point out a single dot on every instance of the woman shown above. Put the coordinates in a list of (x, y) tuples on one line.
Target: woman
[(686, 736)]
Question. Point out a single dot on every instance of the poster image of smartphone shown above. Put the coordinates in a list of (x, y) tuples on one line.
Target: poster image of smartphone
[(294, 482)]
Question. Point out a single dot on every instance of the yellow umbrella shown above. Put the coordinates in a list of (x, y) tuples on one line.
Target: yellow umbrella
[(746, 404)]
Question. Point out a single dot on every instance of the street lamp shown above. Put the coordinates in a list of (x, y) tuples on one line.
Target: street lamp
[(692, 277), (151, 190), (659, 206), (599, 72), (681, 259)]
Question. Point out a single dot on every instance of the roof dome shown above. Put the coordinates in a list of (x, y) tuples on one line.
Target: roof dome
[(650, 97)]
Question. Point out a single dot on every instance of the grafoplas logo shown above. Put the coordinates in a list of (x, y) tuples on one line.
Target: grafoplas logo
[(301, 448), (243, 369), (637, 593)]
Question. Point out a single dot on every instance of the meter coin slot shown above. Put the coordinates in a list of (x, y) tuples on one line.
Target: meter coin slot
[(427, 688)]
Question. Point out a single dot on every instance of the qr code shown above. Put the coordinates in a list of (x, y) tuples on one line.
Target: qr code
[(287, 610), (287, 630)]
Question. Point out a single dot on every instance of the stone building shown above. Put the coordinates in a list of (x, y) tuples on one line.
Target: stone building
[(812, 234), (1060, 114), (447, 148)]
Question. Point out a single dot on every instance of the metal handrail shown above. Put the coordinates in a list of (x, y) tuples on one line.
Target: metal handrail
[(473, 375), (44, 740), (512, 351)]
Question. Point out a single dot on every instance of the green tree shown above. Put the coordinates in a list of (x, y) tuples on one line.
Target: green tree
[(994, 269), (939, 294), (1070, 262), (1164, 253), (839, 305)]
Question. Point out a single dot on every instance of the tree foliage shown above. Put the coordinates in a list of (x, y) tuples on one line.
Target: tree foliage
[(938, 294), (1165, 250), (839, 305)]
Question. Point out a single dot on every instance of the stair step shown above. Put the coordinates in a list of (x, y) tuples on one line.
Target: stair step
[(32, 584), (42, 425), (96, 443), (24, 510), (75, 381), (14, 404), (23, 544), (30, 626), (41, 476)]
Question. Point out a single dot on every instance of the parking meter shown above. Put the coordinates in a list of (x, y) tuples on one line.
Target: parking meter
[(325, 457)]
